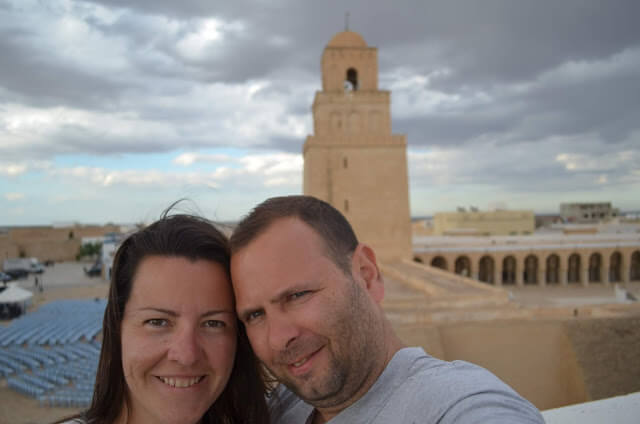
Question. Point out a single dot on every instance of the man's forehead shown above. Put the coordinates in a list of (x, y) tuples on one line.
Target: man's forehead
[(284, 232), (284, 252)]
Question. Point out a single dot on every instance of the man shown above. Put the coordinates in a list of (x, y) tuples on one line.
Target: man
[(309, 295)]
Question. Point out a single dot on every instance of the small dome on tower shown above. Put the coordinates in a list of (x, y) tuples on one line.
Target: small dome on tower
[(347, 39)]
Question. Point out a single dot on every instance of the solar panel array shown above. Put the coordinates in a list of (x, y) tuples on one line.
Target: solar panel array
[(52, 353)]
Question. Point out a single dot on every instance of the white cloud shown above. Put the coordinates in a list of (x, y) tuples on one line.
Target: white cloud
[(12, 197), (196, 43), (190, 158), (266, 170), (273, 164), (413, 96), (596, 161), (11, 170), (537, 166), (205, 34), (16, 212), (105, 177)]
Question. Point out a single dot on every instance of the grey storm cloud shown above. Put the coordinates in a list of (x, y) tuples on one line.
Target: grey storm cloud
[(36, 78), (488, 47)]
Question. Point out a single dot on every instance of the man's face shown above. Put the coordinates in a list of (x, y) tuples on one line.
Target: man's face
[(315, 328)]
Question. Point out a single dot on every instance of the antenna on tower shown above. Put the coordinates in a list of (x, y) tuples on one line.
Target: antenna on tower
[(346, 21)]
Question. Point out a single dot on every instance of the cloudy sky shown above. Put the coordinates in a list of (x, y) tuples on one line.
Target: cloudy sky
[(112, 109)]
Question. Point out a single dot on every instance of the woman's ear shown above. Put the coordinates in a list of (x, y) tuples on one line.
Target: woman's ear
[(366, 271)]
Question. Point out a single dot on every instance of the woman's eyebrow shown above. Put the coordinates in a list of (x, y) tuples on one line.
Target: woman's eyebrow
[(175, 314), (217, 312), (161, 310)]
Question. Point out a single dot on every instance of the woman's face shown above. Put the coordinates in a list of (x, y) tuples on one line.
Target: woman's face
[(178, 339)]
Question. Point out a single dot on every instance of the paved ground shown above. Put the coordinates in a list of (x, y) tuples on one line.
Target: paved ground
[(573, 295)]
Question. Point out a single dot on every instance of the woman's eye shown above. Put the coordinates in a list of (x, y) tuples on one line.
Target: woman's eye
[(214, 323), (157, 322)]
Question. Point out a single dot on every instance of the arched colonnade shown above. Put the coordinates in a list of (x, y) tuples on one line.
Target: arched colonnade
[(540, 267)]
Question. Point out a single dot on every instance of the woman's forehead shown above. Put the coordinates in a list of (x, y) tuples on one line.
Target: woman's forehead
[(181, 284)]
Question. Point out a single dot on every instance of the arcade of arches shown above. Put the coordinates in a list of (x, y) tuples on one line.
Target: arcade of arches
[(540, 266)]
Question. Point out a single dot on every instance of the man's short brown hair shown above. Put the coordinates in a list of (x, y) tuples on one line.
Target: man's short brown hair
[(334, 229)]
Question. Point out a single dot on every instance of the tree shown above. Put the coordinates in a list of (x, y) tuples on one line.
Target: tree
[(89, 250)]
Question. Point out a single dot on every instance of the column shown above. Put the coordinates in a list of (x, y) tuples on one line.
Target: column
[(562, 271), (604, 271), (519, 273), (626, 268), (497, 273), (584, 275), (542, 277)]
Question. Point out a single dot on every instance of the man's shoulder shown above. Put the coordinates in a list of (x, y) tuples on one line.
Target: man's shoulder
[(442, 390), (466, 374)]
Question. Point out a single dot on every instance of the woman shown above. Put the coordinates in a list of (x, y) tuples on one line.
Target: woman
[(173, 350)]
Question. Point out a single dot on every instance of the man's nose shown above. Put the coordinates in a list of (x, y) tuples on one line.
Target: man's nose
[(185, 347), (282, 331)]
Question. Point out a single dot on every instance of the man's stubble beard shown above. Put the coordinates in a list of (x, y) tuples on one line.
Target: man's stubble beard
[(352, 352)]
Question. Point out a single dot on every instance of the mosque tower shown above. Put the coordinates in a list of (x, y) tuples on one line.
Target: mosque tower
[(352, 160)]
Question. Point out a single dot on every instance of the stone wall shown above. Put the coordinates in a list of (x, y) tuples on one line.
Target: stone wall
[(55, 243), (551, 362), (484, 223)]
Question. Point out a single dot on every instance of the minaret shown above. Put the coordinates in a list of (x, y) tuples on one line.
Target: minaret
[(353, 161)]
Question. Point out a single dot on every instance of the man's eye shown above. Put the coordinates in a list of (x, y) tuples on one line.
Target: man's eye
[(298, 295), (214, 323), (157, 322), (251, 316)]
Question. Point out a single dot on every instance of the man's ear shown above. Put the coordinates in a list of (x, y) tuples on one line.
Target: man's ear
[(365, 269)]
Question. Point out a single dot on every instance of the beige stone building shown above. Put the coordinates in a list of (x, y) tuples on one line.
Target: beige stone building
[(352, 160), (554, 259), (486, 223), (47, 242)]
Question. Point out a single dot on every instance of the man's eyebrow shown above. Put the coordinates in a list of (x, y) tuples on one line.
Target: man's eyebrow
[(245, 314), (302, 286), (277, 298)]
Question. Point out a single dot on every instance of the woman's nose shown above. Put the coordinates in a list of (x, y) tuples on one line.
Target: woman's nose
[(185, 347)]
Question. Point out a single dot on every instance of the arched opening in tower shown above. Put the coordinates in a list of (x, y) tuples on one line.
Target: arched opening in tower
[(352, 79)]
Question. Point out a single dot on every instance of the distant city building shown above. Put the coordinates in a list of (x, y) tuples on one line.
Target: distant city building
[(588, 212), (488, 223), (422, 226), (352, 160)]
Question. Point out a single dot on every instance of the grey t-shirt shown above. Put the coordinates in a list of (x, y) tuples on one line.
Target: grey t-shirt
[(417, 388)]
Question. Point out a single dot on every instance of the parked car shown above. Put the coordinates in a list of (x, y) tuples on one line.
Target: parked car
[(17, 274), (27, 264), (94, 271)]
